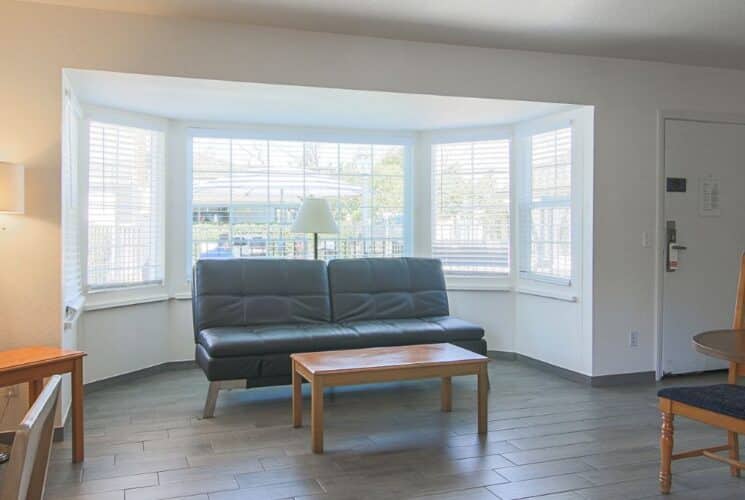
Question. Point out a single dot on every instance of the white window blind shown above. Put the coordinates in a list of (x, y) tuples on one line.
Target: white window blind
[(246, 194), (471, 207), (546, 208), (72, 280), (125, 206)]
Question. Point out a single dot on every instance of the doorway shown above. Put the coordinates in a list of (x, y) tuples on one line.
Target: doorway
[(704, 224)]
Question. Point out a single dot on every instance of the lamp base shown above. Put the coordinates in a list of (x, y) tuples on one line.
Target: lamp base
[(315, 246)]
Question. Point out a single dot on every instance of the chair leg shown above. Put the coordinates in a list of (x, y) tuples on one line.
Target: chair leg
[(209, 405), (734, 452), (666, 452)]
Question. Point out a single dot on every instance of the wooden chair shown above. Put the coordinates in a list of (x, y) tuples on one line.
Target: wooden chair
[(721, 405), (26, 472)]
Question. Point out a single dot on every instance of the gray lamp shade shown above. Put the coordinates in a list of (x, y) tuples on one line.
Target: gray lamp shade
[(11, 188), (314, 217)]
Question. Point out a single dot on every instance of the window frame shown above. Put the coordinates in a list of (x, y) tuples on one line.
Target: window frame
[(300, 134), (497, 281), (114, 296), (529, 281), (71, 192)]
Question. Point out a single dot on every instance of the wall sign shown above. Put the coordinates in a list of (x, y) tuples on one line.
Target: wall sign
[(676, 184), (709, 191)]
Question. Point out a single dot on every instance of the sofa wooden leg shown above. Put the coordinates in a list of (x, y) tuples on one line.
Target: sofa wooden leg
[(209, 405), (214, 390)]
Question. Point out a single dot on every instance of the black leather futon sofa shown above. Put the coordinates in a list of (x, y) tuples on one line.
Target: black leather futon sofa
[(251, 314)]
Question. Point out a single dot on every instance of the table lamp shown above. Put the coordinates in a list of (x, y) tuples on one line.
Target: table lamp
[(314, 217)]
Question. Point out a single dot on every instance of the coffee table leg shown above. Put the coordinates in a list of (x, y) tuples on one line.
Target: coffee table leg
[(317, 414), (297, 398), (446, 393), (483, 385)]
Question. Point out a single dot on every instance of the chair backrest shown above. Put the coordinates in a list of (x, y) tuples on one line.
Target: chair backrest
[(244, 292), (738, 320), (365, 289), (26, 473)]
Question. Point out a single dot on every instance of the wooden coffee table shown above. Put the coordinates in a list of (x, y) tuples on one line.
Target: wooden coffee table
[(383, 364)]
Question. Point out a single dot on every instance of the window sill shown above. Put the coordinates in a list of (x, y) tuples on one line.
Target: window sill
[(110, 300), (461, 287), (548, 294)]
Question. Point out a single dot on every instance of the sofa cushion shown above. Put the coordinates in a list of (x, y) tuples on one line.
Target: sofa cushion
[(376, 289), (220, 342), (223, 342), (241, 292), (406, 331)]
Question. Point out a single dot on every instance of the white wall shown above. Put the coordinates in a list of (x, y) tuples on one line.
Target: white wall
[(37, 41), (124, 339), (557, 327), (493, 310)]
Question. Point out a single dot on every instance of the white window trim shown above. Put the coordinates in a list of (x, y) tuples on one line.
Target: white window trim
[(537, 284), (102, 298), (73, 305), (497, 282), (282, 133)]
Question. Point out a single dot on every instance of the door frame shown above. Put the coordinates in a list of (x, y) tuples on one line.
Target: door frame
[(659, 241)]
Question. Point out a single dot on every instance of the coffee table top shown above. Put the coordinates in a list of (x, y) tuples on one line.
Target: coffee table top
[(383, 358)]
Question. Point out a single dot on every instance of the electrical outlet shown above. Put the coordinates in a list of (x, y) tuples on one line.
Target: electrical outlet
[(634, 339)]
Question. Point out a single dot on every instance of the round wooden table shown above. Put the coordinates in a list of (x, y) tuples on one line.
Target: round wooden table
[(728, 345)]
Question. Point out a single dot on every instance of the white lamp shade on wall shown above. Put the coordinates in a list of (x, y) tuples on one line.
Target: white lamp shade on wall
[(11, 188), (314, 217)]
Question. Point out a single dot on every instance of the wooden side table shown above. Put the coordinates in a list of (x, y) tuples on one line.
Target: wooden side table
[(32, 365)]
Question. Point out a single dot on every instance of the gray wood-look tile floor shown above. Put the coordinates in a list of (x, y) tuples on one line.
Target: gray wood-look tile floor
[(548, 438)]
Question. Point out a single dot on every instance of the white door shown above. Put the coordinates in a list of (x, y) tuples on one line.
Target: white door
[(710, 224)]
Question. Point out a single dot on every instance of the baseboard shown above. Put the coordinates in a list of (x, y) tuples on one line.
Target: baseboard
[(577, 377), (636, 378), (504, 355), (137, 374)]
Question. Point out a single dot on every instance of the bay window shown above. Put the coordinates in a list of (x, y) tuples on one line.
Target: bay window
[(125, 206), (246, 192), (546, 207), (471, 207)]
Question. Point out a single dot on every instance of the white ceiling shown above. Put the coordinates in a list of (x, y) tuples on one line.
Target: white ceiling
[(212, 100), (699, 32)]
